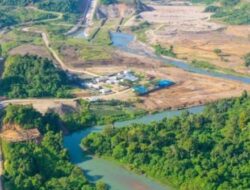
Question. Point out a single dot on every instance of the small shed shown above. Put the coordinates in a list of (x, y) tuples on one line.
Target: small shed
[(140, 90)]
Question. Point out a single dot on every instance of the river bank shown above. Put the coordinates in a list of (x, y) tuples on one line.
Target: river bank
[(127, 167), (115, 176), (123, 42)]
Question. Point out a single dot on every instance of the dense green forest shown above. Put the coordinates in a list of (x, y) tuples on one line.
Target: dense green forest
[(16, 2), (239, 14), (73, 6), (32, 76), (108, 2), (28, 118), (43, 166), (11, 16), (207, 151), (7, 20)]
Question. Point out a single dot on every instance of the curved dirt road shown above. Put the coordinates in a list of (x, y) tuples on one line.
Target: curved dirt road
[(56, 56)]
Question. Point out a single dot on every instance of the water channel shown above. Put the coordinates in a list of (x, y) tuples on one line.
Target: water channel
[(122, 40), (114, 175)]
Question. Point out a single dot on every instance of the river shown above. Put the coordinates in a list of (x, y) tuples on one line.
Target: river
[(122, 40), (109, 172), (112, 174)]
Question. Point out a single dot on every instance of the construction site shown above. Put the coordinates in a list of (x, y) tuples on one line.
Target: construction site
[(192, 33)]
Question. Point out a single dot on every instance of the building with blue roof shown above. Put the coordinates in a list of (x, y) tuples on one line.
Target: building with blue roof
[(164, 83)]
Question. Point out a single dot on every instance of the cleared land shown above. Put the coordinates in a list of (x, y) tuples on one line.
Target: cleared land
[(42, 105), (187, 27), (195, 36), (190, 89), (14, 133), (32, 50)]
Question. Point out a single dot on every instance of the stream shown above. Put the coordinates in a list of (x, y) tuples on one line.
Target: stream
[(109, 172)]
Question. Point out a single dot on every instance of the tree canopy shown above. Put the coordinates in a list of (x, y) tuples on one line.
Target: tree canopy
[(247, 60), (44, 165), (72, 6), (27, 117), (192, 151), (32, 76), (230, 11)]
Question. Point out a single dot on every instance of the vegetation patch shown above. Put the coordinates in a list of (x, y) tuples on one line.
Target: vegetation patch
[(192, 151), (11, 15), (42, 165), (108, 112), (208, 66), (230, 11), (203, 64), (16, 38), (140, 30), (247, 60), (84, 50), (235, 15), (159, 50), (73, 6), (32, 76), (101, 113)]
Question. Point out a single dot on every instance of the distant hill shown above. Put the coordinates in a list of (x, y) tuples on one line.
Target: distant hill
[(16, 2), (73, 6)]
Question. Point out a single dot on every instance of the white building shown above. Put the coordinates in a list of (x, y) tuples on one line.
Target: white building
[(105, 91)]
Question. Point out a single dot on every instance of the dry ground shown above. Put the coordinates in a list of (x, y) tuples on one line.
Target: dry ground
[(195, 36), (32, 50), (14, 133), (190, 89), (43, 105)]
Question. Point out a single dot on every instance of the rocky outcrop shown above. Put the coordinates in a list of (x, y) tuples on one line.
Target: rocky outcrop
[(99, 14)]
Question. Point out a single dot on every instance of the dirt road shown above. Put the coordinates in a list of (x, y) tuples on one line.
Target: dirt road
[(56, 56)]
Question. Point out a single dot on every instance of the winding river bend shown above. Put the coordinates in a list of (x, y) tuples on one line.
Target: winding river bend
[(114, 175)]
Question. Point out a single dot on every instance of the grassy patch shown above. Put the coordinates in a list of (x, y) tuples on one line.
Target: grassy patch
[(239, 14), (208, 66), (140, 30), (159, 50), (107, 112), (86, 50), (16, 38), (12, 15), (203, 64)]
